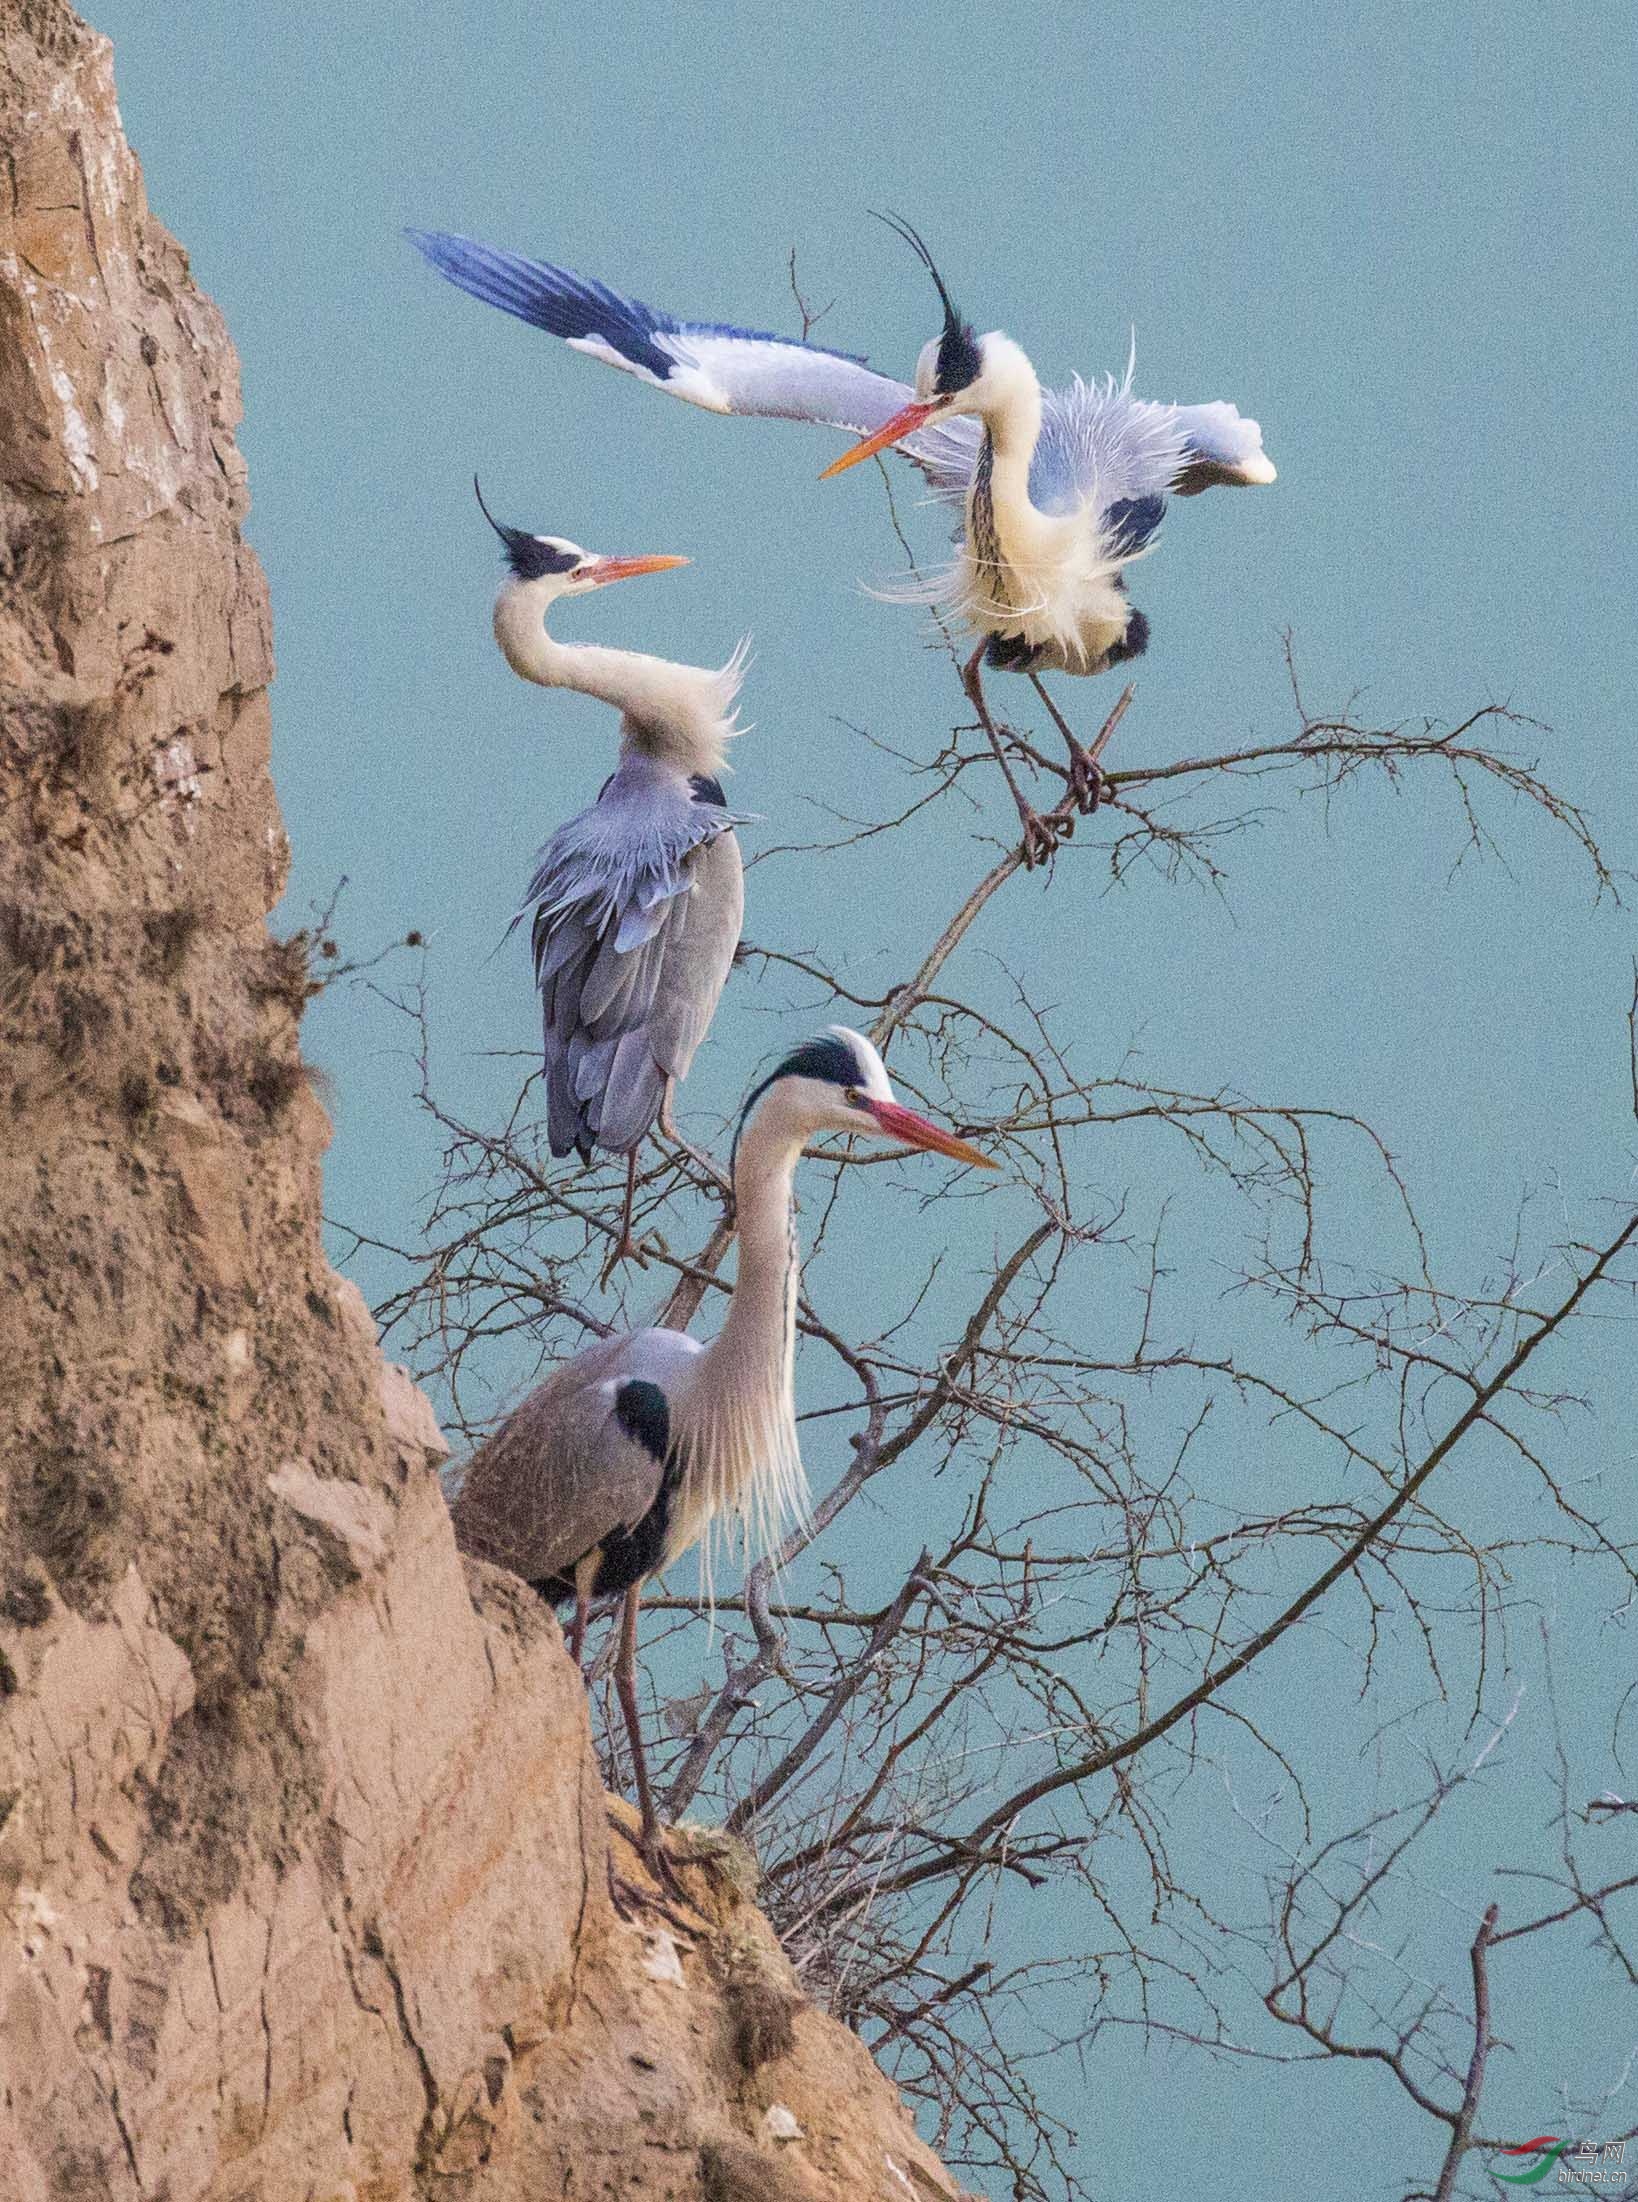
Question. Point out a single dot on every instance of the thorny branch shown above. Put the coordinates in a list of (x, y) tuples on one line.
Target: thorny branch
[(923, 1728)]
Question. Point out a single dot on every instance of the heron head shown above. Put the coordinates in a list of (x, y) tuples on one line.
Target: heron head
[(837, 1082), (953, 360), (950, 369), (564, 567)]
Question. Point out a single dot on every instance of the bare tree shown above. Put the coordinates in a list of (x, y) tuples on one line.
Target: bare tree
[(1064, 1632), (1349, 1980)]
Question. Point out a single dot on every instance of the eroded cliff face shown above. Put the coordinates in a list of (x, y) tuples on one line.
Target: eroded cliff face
[(304, 1879)]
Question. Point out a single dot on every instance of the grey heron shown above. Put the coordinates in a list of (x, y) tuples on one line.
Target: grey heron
[(628, 1454), (636, 901), (1059, 490), (1064, 489)]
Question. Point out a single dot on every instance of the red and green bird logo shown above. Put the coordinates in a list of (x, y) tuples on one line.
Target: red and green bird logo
[(1547, 2146)]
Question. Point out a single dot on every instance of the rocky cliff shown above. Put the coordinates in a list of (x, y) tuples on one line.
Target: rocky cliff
[(303, 1853)]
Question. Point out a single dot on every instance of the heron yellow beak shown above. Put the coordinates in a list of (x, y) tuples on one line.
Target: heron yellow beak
[(602, 570), (916, 1131), (903, 423)]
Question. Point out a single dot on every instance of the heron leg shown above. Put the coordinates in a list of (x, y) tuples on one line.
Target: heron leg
[(1040, 837), (1085, 773), (623, 1247), (625, 1682), (583, 1577)]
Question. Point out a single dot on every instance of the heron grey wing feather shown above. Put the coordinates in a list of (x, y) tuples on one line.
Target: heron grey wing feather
[(614, 891), (782, 379), (561, 1474), (947, 454), (791, 381), (629, 1093), (689, 959), (706, 924), (1101, 447)]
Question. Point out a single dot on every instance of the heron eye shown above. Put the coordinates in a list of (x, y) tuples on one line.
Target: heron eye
[(853, 1097)]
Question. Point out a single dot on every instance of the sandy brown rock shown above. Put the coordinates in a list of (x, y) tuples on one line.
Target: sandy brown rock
[(304, 1864)]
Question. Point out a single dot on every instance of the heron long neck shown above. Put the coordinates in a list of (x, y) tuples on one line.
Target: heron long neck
[(678, 712), (737, 1439), (1002, 521)]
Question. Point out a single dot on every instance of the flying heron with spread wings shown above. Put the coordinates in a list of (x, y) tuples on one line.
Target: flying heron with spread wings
[(1059, 490), (629, 1453), (636, 903)]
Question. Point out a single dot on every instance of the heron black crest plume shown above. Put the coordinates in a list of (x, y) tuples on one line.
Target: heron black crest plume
[(918, 245), (1058, 490), (505, 533), (829, 1058), (958, 355), (529, 558)]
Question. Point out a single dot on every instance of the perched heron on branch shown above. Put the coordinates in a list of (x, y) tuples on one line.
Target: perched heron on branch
[(637, 902), (1059, 489), (628, 1454)]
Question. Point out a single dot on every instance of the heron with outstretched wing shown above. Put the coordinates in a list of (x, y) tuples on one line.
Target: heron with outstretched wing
[(1064, 490), (1058, 490)]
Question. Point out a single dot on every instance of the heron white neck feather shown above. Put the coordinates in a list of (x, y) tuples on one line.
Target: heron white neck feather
[(681, 713), (1023, 571), (1012, 409), (735, 1430), (1012, 414)]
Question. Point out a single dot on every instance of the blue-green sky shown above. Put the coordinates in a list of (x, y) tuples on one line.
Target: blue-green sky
[(1399, 236)]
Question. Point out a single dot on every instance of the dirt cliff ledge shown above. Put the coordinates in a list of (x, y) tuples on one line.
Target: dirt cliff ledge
[(303, 1887)]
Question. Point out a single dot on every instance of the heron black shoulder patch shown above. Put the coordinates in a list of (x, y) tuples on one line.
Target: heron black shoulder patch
[(706, 790), (644, 1413), (1130, 522)]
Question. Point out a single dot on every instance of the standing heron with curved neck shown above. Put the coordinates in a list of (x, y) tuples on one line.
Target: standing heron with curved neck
[(640, 1446), (637, 901), (1065, 489), (1058, 489)]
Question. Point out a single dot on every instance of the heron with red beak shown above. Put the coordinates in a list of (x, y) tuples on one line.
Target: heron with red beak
[(635, 903), (1058, 490), (642, 1445), (1066, 488)]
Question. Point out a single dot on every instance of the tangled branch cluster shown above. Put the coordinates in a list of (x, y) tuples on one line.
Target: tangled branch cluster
[(1059, 1632)]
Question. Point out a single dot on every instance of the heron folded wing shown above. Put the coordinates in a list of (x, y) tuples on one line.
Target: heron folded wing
[(705, 926), (562, 1473), (630, 1093), (638, 904)]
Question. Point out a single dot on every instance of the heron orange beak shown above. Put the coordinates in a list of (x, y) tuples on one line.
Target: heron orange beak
[(903, 423), (916, 1131), (624, 569)]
